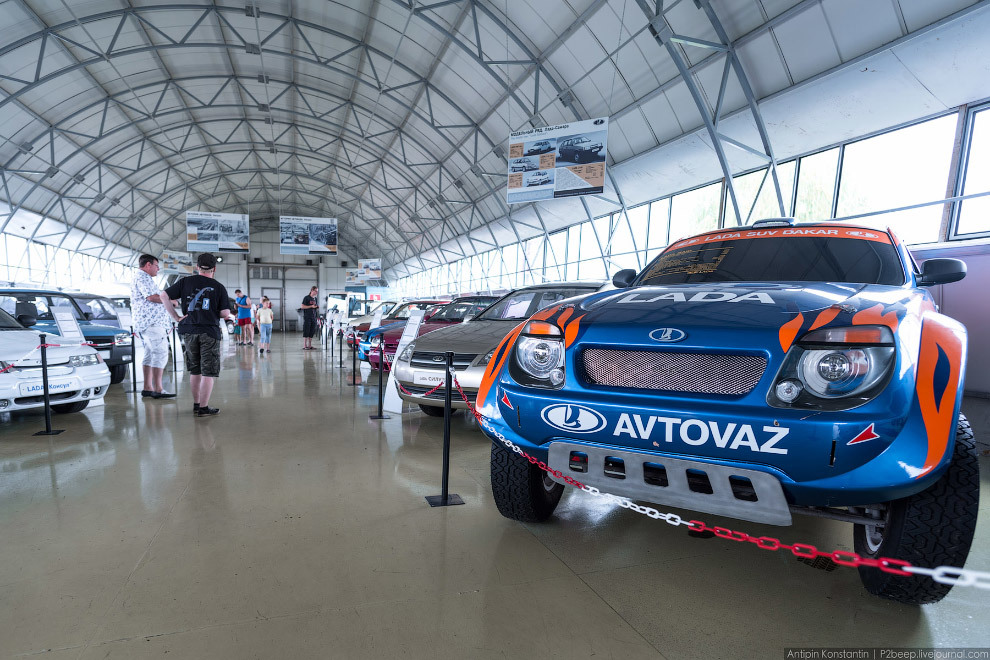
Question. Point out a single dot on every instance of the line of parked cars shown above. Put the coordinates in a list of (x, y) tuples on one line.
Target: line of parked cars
[(77, 373), (754, 374)]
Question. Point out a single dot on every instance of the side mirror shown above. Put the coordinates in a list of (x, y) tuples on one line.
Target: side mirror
[(88, 316), (428, 316), (941, 271), (26, 320), (624, 278)]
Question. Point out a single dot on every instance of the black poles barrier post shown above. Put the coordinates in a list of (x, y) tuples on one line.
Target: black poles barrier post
[(445, 499), (175, 355), (44, 382), (381, 388), (354, 368), (340, 345), (134, 363), (328, 339)]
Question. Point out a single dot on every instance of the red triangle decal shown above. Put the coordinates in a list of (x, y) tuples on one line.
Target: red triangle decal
[(864, 435), (505, 400)]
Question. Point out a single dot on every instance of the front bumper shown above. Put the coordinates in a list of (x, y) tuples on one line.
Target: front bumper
[(419, 381), (813, 456), (23, 389)]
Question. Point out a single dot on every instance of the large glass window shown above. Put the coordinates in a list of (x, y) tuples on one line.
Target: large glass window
[(900, 168), (816, 186), (974, 214), (695, 211), (757, 197)]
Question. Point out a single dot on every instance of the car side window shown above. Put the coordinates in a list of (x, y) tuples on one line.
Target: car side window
[(58, 301), (9, 305)]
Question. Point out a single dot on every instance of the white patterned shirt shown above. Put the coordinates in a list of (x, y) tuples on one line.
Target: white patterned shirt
[(147, 314)]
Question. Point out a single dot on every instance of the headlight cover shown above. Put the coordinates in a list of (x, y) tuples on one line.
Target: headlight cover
[(483, 362), (84, 360), (835, 369), (538, 357), (122, 339), (407, 353), (376, 341)]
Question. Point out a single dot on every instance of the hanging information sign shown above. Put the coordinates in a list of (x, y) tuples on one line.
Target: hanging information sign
[(300, 235), (557, 161), (217, 232)]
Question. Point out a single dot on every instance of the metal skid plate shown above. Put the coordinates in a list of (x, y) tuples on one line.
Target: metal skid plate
[(770, 506)]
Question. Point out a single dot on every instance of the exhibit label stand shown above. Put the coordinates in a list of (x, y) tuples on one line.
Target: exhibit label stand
[(393, 403)]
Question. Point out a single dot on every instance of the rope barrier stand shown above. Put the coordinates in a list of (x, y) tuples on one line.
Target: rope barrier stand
[(951, 575), (44, 382), (444, 498)]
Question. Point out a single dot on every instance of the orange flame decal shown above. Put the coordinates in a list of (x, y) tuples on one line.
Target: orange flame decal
[(564, 315), (495, 365), (938, 417), (788, 331), (570, 332), (825, 317), (875, 316)]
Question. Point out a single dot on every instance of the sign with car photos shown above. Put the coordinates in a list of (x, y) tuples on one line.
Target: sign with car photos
[(176, 263), (302, 235), (217, 232), (565, 160)]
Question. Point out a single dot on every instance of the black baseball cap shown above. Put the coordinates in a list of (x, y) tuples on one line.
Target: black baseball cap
[(206, 261)]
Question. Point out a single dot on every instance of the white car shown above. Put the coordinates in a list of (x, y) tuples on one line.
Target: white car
[(76, 374)]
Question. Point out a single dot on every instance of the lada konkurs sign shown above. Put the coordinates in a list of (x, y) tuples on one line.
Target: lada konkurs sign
[(557, 161)]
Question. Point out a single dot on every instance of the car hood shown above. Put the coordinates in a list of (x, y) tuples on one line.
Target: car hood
[(476, 336), (744, 314), (97, 329), (394, 334), (16, 344)]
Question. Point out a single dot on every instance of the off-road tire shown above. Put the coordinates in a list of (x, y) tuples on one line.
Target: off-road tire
[(75, 406), (118, 374), (932, 528), (521, 490), (432, 411)]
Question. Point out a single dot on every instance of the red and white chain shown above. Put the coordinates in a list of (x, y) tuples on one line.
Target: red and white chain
[(951, 575)]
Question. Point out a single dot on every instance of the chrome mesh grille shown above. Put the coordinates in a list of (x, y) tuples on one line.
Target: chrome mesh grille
[(701, 373)]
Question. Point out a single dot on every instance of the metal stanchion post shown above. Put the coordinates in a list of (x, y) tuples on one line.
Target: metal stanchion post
[(354, 369), (340, 345), (328, 355), (44, 383), (381, 387), (445, 499), (134, 363), (175, 354)]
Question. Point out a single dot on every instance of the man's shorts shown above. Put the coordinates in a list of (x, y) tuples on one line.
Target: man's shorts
[(202, 355), (155, 342), (309, 327), (246, 321)]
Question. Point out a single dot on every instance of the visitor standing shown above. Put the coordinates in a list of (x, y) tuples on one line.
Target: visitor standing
[(152, 324), (265, 319), (310, 307), (204, 302), (244, 318)]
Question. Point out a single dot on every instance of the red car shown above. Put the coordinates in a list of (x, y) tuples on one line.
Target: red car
[(452, 313)]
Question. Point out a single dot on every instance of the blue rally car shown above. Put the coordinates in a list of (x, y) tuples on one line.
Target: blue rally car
[(754, 373)]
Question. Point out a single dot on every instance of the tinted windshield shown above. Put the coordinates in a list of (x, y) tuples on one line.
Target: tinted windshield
[(778, 259), (521, 305), (37, 305), (457, 310), (100, 309), (402, 313), (8, 322)]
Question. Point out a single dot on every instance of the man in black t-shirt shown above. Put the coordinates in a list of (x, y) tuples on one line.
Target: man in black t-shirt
[(204, 301), (310, 307)]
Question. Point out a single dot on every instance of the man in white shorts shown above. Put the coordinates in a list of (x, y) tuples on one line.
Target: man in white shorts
[(153, 324)]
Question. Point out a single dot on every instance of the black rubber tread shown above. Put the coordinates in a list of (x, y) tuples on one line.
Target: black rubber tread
[(932, 528), (118, 373), (432, 411), (517, 486), (75, 406)]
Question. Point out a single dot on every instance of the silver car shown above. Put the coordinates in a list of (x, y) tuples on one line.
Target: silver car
[(419, 368)]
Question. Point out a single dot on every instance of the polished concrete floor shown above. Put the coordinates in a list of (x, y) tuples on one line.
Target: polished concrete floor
[(292, 526)]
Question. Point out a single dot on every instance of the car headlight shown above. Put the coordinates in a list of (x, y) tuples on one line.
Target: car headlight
[(376, 341), (84, 360), (122, 339), (539, 356), (407, 353), (835, 369), (483, 362)]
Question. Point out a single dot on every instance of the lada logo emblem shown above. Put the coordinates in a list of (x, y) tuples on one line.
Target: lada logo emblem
[(667, 335), (439, 358), (572, 418)]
